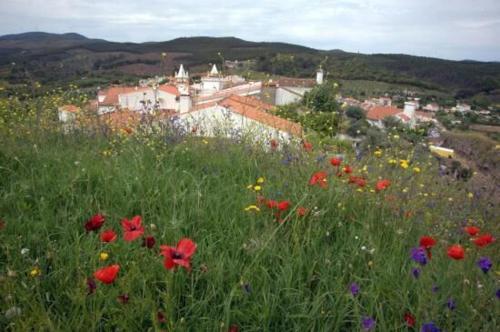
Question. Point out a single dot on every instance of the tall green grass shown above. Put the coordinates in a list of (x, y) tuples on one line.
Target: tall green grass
[(249, 270)]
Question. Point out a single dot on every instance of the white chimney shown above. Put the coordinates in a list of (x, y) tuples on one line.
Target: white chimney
[(409, 111), (319, 76)]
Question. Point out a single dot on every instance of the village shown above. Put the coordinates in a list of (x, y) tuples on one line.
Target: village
[(206, 105)]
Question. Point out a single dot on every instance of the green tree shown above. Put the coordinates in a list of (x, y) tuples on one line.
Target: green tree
[(355, 113), (322, 98)]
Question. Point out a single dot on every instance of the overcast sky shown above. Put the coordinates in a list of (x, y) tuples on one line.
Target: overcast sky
[(452, 29)]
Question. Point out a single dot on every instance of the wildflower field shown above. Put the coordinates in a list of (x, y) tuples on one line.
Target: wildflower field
[(136, 231)]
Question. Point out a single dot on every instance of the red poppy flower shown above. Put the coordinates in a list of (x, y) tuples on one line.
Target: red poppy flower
[(472, 230), (410, 319), (484, 240), (108, 235), (456, 252), (107, 275), (283, 205), (302, 211), (359, 181), (427, 242), (161, 317), (94, 223), (320, 179), (307, 146), (149, 242), (123, 299), (347, 169), (233, 328), (336, 161), (272, 204), (132, 229), (382, 184), (180, 255), (274, 144)]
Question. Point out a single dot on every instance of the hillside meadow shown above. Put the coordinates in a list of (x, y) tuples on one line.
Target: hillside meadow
[(144, 230)]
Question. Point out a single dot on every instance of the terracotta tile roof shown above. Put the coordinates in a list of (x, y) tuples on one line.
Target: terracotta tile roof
[(169, 89), (122, 119), (381, 112), (130, 119), (111, 94), (69, 108), (255, 109), (403, 117)]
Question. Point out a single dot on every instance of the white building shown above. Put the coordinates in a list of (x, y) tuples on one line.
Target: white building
[(239, 116), (67, 113)]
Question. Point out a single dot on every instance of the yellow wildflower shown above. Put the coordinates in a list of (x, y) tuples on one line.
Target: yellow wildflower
[(257, 188), (252, 208), (392, 161), (470, 195), (416, 169), (103, 256), (403, 163), (35, 272), (378, 153), (260, 180)]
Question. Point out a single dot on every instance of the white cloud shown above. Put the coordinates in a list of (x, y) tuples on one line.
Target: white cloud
[(453, 29)]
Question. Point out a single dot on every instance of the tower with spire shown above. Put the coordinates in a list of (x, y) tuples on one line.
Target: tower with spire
[(182, 83), (213, 82)]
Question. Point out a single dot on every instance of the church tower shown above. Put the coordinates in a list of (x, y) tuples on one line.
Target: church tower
[(182, 82)]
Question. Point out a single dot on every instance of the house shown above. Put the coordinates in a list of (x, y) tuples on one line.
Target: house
[(138, 99), (287, 90), (377, 114), (237, 116), (409, 115), (68, 113), (461, 107), (431, 107)]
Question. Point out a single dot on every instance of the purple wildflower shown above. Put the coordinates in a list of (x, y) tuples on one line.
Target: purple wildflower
[(498, 293), (451, 304), (91, 286), (484, 264), (416, 272), (435, 288), (354, 288), (419, 255), (430, 327), (368, 323)]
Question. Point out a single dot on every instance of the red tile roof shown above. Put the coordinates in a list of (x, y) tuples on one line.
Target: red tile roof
[(69, 108), (255, 109), (381, 112), (169, 89), (111, 94)]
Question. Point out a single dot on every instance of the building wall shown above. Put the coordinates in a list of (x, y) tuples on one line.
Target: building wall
[(66, 116), (220, 121), (133, 100), (284, 97), (168, 101)]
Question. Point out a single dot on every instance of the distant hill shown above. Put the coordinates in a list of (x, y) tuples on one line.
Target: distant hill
[(62, 57)]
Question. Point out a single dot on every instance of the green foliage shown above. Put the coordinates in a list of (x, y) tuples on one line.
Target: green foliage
[(355, 113), (248, 270), (322, 98), (326, 124)]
